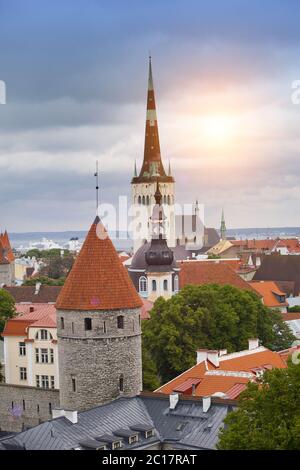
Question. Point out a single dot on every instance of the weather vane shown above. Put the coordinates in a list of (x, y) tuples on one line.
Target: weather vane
[(96, 174)]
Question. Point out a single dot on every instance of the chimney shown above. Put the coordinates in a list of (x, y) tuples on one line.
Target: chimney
[(71, 416), (222, 352), (174, 398), (201, 355), (253, 343), (31, 308), (213, 357), (37, 288), (57, 413), (206, 402)]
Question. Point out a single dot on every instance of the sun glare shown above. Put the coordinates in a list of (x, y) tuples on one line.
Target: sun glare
[(218, 129)]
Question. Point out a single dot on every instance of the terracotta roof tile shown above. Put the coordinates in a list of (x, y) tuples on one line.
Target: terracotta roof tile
[(268, 289), (16, 328), (98, 279), (199, 272)]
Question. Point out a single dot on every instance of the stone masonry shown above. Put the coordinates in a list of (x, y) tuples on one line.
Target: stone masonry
[(94, 363), (22, 406)]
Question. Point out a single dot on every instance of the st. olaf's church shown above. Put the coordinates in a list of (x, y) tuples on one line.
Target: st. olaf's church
[(169, 237)]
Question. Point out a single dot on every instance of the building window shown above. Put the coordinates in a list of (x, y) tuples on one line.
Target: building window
[(37, 380), (50, 409), (44, 356), (176, 284), (143, 200), (23, 373), (72, 327), (154, 285), (121, 383), (44, 335), (116, 445), (37, 356), (120, 321), (52, 382), (51, 356), (133, 439), (87, 324), (22, 349), (62, 323), (148, 200), (37, 409), (73, 384), (104, 327), (45, 381), (139, 200), (24, 405), (165, 284), (149, 434), (143, 285)]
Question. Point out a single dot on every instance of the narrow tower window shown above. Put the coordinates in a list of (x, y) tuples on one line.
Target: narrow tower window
[(62, 323), (121, 383), (154, 285), (165, 284), (73, 384), (87, 324), (120, 321)]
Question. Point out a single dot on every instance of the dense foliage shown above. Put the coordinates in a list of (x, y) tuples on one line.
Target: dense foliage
[(7, 308), (207, 316), (44, 280), (44, 254), (268, 416), (296, 308)]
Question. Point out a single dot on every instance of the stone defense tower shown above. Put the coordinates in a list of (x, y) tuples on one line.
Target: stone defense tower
[(144, 185), (99, 331)]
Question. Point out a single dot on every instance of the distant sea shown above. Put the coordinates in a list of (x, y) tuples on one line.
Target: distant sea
[(19, 239)]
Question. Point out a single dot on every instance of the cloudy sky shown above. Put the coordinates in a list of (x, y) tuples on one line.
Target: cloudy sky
[(76, 77)]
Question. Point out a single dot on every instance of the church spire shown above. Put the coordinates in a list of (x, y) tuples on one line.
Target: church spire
[(152, 164), (223, 227)]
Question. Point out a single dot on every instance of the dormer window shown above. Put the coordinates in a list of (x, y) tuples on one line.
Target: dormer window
[(149, 433), (116, 445), (133, 439), (143, 287)]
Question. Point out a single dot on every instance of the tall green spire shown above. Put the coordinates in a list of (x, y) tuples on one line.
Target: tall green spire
[(223, 227)]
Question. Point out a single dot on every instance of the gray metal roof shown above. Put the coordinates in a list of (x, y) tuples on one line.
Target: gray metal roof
[(187, 426)]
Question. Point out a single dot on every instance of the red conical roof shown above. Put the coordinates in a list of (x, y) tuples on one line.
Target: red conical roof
[(4, 239), (98, 279)]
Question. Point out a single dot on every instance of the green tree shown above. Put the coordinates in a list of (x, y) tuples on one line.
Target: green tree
[(150, 380), (7, 308), (268, 416), (44, 280), (208, 316)]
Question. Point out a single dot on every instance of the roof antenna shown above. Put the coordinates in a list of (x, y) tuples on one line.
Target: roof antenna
[(96, 174)]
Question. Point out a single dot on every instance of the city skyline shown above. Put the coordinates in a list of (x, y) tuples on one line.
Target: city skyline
[(76, 92)]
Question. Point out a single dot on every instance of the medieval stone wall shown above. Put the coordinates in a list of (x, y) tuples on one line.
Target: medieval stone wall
[(93, 363), (24, 406)]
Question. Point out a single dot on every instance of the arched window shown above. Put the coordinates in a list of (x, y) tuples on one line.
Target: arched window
[(165, 199), (143, 200), (121, 383), (176, 284), (62, 323), (43, 335), (148, 200), (169, 200), (120, 321), (143, 285), (139, 199), (154, 285), (165, 284)]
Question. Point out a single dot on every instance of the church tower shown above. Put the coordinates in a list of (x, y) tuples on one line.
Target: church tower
[(223, 227), (99, 330), (144, 184)]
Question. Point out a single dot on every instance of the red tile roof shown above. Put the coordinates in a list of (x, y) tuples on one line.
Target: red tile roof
[(98, 279), (268, 289), (6, 247), (201, 272), (230, 377), (43, 316), (147, 306)]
